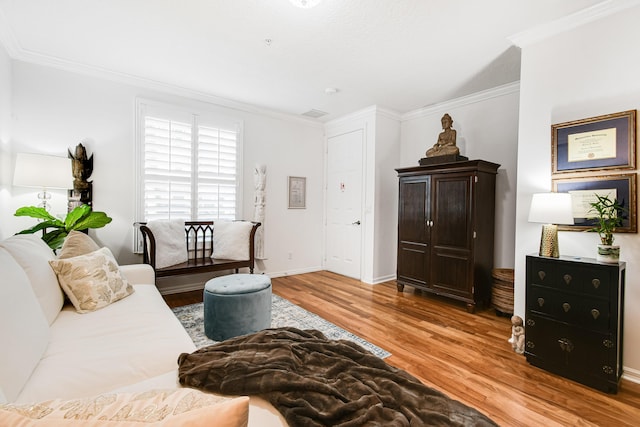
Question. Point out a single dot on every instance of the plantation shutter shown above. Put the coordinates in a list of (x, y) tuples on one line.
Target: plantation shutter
[(167, 169), (188, 164)]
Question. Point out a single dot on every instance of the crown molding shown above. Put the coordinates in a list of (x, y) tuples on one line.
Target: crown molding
[(16, 52), (567, 23), (363, 114), (484, 95)]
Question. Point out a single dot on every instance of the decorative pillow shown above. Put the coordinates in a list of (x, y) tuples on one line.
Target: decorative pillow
[(24, 333), (171, 244), (231, 240), (162, 408), (77, 243), (32, 253), (91, 281)]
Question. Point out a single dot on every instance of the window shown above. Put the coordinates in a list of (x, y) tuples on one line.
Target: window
[(189, 164)]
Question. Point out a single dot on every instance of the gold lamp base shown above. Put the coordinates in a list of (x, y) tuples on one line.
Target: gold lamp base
[(549, 241)]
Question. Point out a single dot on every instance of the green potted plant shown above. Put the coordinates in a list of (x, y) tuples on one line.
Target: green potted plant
[(55, 230), (609, 215)]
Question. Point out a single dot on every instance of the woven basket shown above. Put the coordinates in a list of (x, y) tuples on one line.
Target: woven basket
[(502, 290)]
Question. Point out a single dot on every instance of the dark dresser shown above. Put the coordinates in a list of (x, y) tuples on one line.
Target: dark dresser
[(574, 319)]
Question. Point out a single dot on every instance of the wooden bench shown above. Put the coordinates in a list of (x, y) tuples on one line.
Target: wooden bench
[(199, 238)]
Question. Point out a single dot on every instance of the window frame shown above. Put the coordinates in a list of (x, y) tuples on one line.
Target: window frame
[(199, 115)]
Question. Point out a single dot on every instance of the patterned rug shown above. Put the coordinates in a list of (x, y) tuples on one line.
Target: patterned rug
[(283, 313)]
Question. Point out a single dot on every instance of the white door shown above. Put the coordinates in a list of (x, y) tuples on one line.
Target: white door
[(344, 204)]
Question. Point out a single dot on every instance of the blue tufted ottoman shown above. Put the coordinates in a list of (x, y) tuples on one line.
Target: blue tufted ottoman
[(236, 304)]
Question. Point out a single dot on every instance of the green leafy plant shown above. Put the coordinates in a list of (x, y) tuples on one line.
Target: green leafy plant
[(609, 214), (81, 218)]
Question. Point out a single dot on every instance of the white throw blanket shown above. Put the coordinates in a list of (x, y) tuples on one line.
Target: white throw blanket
[(171, 245)]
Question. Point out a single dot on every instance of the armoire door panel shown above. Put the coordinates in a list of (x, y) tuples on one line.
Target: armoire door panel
[(451, 211)]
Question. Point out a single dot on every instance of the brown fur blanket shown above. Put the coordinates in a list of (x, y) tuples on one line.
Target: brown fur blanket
[(315, 381)]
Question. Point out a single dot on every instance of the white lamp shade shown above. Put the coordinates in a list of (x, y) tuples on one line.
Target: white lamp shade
[(551, 208), (42, 171)]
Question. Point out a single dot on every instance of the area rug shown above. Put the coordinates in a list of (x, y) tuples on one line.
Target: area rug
[(283, 313)]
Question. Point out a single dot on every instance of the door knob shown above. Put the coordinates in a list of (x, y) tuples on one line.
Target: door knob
[(356, 222)]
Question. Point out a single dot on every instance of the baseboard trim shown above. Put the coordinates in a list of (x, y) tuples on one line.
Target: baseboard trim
[(632, 375)]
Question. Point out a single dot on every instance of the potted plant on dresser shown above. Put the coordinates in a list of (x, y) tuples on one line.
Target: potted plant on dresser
[(609, 215)]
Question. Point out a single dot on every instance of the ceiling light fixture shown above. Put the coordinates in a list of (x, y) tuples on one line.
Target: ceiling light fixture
[(305, 4)]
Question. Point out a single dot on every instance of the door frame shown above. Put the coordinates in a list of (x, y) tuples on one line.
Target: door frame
[(363, 173)]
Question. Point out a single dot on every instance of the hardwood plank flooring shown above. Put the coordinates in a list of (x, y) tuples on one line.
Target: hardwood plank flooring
[(464, 355)]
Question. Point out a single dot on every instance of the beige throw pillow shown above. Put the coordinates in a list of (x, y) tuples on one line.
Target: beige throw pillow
[(157, 408), (77, 243), (91, 281)]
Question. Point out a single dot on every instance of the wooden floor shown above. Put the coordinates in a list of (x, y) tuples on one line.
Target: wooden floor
[(464, 355)]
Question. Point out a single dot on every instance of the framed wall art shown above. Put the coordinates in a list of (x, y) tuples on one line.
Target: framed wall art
[(583, 191), (297, 192), (594, 144)]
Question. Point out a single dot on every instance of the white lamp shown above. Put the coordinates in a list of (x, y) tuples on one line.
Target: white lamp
[(44, 172), (550, 209)]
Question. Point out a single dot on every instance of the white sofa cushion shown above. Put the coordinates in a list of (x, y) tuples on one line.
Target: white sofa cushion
[(171, 243), (130, 341), (231, 240), (91, 281), (33, 254), (24, 333)]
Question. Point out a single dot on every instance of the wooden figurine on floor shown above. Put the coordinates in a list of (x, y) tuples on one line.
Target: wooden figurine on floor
[(517, 334)]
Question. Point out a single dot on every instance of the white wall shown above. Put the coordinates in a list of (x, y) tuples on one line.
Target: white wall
[(586, 72), (5, 137), (54, 110), (487, 129)]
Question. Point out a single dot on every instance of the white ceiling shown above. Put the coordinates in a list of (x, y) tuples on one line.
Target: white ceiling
[(399, 54)]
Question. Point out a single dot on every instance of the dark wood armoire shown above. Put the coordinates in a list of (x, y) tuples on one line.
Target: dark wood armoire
[(446, 229)]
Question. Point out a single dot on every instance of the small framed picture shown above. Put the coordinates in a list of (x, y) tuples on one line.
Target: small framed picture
[(594, 144), (297, 192), (583, 192)]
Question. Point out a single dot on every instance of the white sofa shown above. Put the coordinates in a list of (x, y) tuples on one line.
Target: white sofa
[(51, 351)]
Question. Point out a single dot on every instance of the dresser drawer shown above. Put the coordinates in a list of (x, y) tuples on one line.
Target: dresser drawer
[(572, 348), (585, 312), (593, 279)]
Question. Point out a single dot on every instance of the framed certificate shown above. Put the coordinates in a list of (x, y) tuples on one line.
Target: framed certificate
[(594, 144), (583, 192)]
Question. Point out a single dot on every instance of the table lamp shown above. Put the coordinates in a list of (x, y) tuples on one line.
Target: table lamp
[(43, 172), (550, 209)]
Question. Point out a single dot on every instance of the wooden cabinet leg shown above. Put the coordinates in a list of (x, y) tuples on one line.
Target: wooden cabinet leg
[(471, 308), (400, 287)]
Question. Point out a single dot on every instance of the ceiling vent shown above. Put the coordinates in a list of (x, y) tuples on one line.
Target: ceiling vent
[(315, 113)]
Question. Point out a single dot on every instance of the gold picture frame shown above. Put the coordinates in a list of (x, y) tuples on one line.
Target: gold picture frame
[(583, 189), (601, 143)]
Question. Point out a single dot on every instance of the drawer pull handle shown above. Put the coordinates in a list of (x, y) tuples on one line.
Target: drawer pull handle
[(530, 344), (607, 343), (566, 307), (565, 345), (541, 274), (567, 278), (540, 302), (595, 313), (531, 322), (595, 283), (607, 369)]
